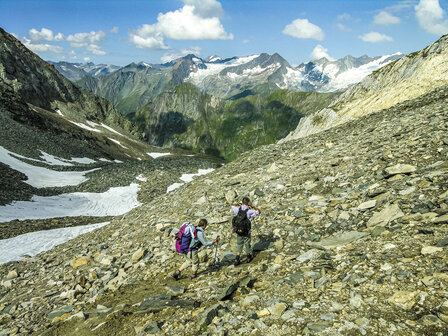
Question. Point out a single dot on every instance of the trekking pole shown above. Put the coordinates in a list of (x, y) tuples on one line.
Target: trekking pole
[(216, 252)]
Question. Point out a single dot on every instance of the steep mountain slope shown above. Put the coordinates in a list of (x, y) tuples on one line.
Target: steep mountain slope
[(188, 118), (39, 101), (406, 78), (352, 239)]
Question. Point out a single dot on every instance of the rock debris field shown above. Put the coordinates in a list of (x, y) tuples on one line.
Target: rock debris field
[(352, 240)]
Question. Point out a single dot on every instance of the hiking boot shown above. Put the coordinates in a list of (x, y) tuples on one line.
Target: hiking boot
[(193, 276), (237, 260), (176, 275)]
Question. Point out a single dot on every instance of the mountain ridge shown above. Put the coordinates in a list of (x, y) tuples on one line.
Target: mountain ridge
[(403, 79)]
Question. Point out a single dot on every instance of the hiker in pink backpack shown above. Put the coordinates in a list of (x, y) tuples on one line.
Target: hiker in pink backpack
[(188, 241)]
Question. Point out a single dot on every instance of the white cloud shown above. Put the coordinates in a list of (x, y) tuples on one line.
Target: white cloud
[(44, 48), (385, 18), (374, 37), (320, 52), (147, 36), (86, 59), (91, 41), (342, 27), (40, 47), (196, 20), (246, 41), (184, 52), (114, 30), (303, 29), (431, 17), (44, 35), (206, 8)]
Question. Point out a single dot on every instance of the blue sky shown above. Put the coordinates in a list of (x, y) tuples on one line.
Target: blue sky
[(154, 31)]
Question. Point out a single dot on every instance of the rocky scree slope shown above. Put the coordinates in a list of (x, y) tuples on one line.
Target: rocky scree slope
[(352, 240), (406, 78)]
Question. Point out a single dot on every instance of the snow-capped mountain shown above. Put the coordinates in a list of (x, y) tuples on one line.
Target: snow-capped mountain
[(337, 75), (76, 71), (135, 85), (229, 77)]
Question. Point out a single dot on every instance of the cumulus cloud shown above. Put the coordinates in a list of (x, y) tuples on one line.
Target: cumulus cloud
[(385, 18), (206, 8), (42, 47), (375, 37), (91, 41), (431, 17), (184, 52), (86, 59), (114, 30), (303, 29), (44, 35), (196, 20), (320, 52)]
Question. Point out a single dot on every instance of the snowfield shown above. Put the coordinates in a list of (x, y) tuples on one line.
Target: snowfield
[(116, 201), (40, 177), (36, 242)]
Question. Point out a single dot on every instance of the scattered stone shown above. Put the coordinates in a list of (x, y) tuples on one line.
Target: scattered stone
[(78, 262), (367, 205), (385, 216), (139, 254), (340, 239), (431, 250), (278, 309), (399, 169), (60, 311), (403, 299)]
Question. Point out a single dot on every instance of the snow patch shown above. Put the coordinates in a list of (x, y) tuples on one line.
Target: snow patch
[(36, 242), (156, 155), (53, 160), (86, 127), (215, 68), (188, 178), (115, 201), (141, 178), (118, 143), (40, 177), (110, 129)]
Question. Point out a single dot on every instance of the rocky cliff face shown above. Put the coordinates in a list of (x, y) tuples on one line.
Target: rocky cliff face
[(352, 239), (404, 79)]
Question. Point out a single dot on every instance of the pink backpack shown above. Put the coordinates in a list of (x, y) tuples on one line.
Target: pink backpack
[(183, 238)]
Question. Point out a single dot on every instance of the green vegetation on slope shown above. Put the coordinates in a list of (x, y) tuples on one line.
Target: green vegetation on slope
[(188, 118)]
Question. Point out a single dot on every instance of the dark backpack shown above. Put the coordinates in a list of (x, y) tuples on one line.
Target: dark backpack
[(241, 224)]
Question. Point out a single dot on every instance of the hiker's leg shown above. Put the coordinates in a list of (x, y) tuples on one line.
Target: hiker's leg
[(195, 263), (247, 244), (239, 244), (239, 248), (186, 263)]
